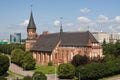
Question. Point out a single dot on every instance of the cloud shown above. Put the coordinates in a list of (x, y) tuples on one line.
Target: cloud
[(117, 19), (57, 23), (102, 22), (84, 10), (102, 19), (83, 19), (25, 23)]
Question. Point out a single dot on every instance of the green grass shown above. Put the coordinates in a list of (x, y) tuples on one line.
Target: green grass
[(12, 73), (46, 69)]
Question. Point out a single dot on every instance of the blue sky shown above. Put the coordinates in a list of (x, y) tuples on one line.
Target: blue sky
[(77, 15)]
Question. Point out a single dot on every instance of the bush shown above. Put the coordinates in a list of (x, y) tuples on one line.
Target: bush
[(50, 64), (27, 78), (17, 56), (94, 71), (4, 64), (2, 78), (28, 61), (39, 76), (66, 71), (79, 60)]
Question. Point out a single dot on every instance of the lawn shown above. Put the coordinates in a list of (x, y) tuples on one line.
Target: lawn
[(46, 69)]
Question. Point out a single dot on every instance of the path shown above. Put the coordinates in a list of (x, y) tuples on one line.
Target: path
[(16, 69)]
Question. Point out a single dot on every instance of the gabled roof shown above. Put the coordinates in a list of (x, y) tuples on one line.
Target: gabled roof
[(31, 24), (46, 43), (67, 39)]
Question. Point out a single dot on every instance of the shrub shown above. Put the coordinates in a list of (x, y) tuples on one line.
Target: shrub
[(39, 76), (17, 56), (50, 64), (66, 71), (27, 78), (79, 60), (2, 78), (4, 64), (94, 71), (28, 61)]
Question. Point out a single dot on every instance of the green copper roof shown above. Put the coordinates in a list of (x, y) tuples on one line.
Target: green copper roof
[(31, 24)]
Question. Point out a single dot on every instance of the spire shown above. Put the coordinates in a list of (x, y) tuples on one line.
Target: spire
[(31, 24), (61, 30)]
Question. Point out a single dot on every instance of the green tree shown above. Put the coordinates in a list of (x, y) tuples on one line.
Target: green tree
[(79, 60), (28, 61), (66, 71), (17, 56), (39, 76), (108, 57), (117, 46), (4, 64), (104, 42)]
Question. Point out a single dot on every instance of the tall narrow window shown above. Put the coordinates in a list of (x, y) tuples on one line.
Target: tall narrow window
[(44, 57)]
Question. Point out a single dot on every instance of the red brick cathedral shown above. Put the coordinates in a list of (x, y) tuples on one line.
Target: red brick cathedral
[(62, 46)]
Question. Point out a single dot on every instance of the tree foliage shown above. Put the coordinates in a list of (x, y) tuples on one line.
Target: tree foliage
[(66, 71), (17, 56), (79, 60), (3, 78), (28, 61), (111, 48), (104, 42), (27, 78), (4, 64), (8, 48), (94, 71), (39, 76)]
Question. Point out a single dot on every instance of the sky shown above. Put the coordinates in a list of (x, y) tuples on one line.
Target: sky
[(77, 15)]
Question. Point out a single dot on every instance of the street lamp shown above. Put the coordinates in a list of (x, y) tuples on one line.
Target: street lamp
[(79, 75), (55, 73)]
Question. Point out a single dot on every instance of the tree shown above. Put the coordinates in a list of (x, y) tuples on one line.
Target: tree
[(17, 56), (66, 71), (117, 46), (39, 76), (104, 42), (79, 60), (28, 61), (4, 64)]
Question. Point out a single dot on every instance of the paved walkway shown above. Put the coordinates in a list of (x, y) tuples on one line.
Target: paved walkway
[(16, 69)]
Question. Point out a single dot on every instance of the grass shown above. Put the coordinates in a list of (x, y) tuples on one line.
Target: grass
[(15, 74), (46, 69)]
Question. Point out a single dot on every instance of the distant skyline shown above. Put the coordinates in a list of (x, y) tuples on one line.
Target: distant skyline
[(77, 15)]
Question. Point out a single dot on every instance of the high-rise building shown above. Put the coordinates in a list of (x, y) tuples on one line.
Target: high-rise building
[(15, 38)]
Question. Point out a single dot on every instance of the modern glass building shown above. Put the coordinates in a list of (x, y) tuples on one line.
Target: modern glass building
[(15, 38)]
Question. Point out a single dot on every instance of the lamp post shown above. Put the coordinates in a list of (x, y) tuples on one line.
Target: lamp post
[(55, 73), (79, 75)]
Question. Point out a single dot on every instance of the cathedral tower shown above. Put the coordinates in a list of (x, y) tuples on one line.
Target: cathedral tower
[(31, 33)]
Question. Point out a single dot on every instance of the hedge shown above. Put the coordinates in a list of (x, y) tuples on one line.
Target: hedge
[(94, 71)]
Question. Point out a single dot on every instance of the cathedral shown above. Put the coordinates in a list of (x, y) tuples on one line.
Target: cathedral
[(62, 46)]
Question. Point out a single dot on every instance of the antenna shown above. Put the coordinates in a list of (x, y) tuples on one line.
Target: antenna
[(88, 28)]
